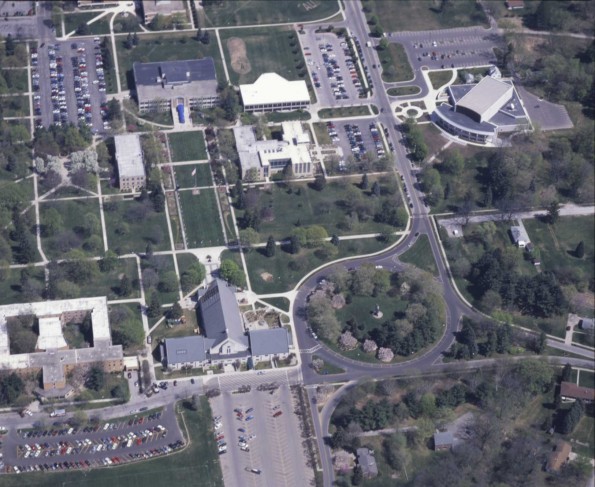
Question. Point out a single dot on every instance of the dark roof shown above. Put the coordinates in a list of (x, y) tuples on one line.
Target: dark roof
[(269, 342), (174, 71), (568, 389), (220, 313), (185, 349), (367, 462), (463, 121)]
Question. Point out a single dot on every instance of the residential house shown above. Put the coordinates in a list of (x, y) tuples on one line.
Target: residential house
[(570, 392), (443, 440), (367, 462)]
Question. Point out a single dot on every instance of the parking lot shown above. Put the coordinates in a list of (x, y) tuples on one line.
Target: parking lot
[(453, 48), (332, 68), (358, 137), (63, 447), (259, 438), (69, 84)]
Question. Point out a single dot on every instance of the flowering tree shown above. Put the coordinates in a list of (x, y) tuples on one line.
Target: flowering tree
[(370, 346), (385, 354), (347, 341), (85, 159)]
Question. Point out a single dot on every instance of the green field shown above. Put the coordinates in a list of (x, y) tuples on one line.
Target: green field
[(321, 132), (357, 111), (11, 288), (99, 27), (286, 270), (185, 179), (253, 12), (131, 224), (403, 91), (329, 208), (201, 219), (395, 65), (420, 255), (558, 242), (187, 146), (14, 106), (160, 47), (276, 117), (107, 283), (281, 303), (440, 78), (15, 81), (414, 15), (275, 50), (76, 231), (197, 464), (361, 309)]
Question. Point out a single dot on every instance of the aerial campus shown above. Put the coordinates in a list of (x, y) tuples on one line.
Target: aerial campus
[(297, 243)]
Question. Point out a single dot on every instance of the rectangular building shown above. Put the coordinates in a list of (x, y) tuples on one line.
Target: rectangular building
[(271, 92), (129, 157), (161, 85), (151, 8)]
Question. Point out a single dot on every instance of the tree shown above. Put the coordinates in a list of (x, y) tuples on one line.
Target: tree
[(553, 212), (580, 250), (154, 308), (11, 387), (541, 343), (158, 199), (376, 189), (364, 183), (566, 373), (270, 247), (195, 403), (572, 417), (294, 245), (319, 182), (206, 38), (135, 39), (175, 312), (192, 276), (95, 378), (9, 45), (124, 288), (108, 262), (232, 273), (503, 335), (249, 237)]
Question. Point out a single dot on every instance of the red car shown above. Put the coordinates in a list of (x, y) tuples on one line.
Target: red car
[(277, 414)]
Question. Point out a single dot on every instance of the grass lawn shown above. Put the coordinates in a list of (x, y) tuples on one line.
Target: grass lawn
[(281, 303), (130, 226), (74, 233), (14, 106), (307, 206), (321, 132), (165, 47), (587, 379), (403, 91), (583, 432), (133, 320), (187, 146), (395, 65), (99, 27), (557, 243), (253, 12), (162, 265), (286, 270), (440, 78), (361, 309), (107, 283), (16, 80), (10, 287), (276, 117), (328, 368), (420, 255), (197, 461), (413, 15), (201, 220), (26, 184), (356, 111)]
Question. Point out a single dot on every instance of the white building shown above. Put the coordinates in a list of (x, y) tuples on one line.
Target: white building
[(129, 157), (271, 92), (268, 157), (520, 236)]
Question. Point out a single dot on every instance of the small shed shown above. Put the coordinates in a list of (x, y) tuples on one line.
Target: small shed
[(587, 324), (443, 440), (367, 463)]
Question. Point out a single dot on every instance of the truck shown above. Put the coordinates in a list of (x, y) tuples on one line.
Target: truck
[(369, 44), (57, 412), (181, 113)]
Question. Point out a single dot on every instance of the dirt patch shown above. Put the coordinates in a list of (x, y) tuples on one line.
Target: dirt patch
[(237, 50), (266, 276), (584, 300)]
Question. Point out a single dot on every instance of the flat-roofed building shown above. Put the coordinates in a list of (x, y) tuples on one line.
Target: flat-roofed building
[(129, 158), (271, 92), (267, 157), (52, 355), (161, 85), (481, 112), (152, 8), (268, 344)]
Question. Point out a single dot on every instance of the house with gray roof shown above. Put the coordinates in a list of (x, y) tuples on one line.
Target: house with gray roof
[(268, 344), (221, 322), (185, 352), (443, 440), (367, 463)]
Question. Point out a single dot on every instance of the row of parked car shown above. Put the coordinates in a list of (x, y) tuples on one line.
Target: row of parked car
[(360, 53), (377, 140), (356, 141), (333, 71)]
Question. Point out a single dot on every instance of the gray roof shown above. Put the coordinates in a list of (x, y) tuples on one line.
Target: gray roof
[(367, 462), (443, 438), (269, 342), (174, 72), (485, 94), (220, 313), (185, 349)]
